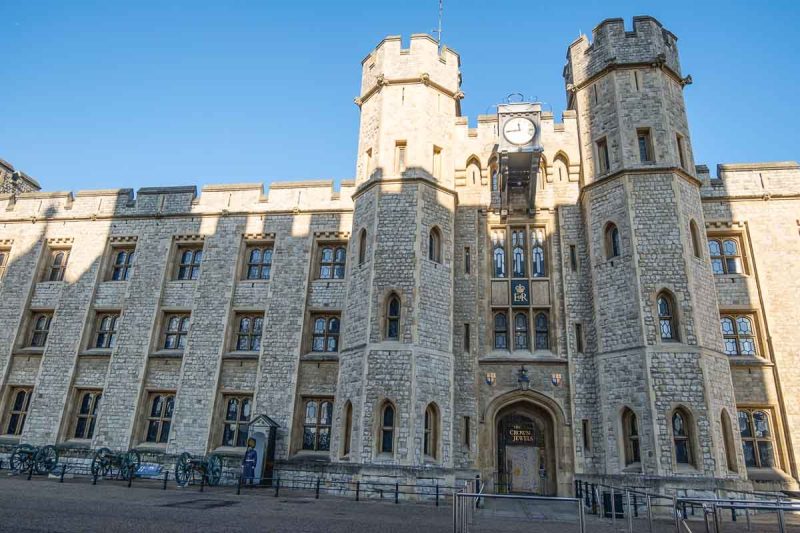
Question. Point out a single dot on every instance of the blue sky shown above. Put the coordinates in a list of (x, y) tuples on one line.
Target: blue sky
[(113, 94)]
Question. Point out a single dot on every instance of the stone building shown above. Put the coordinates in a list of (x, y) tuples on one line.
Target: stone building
[(528, 300)]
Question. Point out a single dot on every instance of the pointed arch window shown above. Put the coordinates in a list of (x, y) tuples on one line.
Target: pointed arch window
[(40, 330), (259, 262), (499, 253), (348, 428), (317, 424), (58, 265), (521, 331), (435, 245), (726, 255), (518, 253), (542, 326), (430, 439), (386, 441), (500, 331), (682, 437), (666, 317), (757, 444), (694, 233), (20, 401), (325, 334), (362, 246), (630, 428), (106, 331), (538, 262), (332, 261), (123, 264), (612, 241), (473, 172), (738, 334), (159, 420), (393, 317), (89, 403), (237, 420)]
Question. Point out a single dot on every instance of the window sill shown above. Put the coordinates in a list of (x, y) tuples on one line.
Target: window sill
[(9, 439), (241, 355), (151, 447), (330, 280), (521, 355), (686, 469), (633, 468), (320, 356), (731, 277), (48, 282), (181, 281), (230, 451), (76, 444), (96, 352), (748, 360), (29, 350), (254, 281), (311, 455), (767, 474), (115, 281), (167, 354)]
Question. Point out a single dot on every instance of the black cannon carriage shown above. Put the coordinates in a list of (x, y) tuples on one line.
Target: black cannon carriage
[(208, 468), (40, 459), (122, 464)]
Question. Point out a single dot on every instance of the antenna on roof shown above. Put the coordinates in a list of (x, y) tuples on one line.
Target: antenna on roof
[(438, 30)]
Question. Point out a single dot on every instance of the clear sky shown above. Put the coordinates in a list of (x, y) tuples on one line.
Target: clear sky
[(132, 94)]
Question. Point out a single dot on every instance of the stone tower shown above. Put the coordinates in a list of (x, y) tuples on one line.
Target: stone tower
[(645, 233), (396, 345)]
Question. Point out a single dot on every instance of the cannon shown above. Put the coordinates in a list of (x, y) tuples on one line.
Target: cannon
[(209, 468), (41, 459), (122, 464)]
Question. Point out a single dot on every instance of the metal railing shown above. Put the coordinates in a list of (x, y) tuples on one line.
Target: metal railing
[(466, 504), (713, 510)]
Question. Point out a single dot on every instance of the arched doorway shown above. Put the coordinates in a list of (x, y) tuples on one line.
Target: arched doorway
[(526, 451)]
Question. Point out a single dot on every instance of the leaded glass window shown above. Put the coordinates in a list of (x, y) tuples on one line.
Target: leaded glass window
[(757, 438), (259, 262), (331, 262), (122, 267), (726, 257), (666, 317), (237, 420), (518, 253), (189, 259), (681, 437), (387, 429), (40, 329), (542, 332), (538, 264), (317, 425), (176, 329), (58, 265), (20, 401), (159, 419), (89, 403), (393, 318), (738, 333), (499, 253), (500, 331), (325, 333), (248, 335), (521, 331), (106, 331)]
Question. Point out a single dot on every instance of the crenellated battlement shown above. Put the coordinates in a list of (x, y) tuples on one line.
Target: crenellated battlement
[(648, 43), (297, 197), (422, 61)]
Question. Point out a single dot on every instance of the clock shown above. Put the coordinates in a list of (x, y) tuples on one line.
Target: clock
[(519, 130)]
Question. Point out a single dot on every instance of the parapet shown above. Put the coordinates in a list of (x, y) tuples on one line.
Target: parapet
[(765, 180), (648, 43), (389, 62)]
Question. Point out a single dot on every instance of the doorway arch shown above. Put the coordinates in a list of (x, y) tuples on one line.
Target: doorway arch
[(530, 444)]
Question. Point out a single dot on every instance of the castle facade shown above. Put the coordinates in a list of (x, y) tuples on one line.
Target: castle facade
[(530, 300)]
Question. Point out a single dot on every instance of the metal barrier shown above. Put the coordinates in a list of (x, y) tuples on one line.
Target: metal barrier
[(466, 503), (713, 509)]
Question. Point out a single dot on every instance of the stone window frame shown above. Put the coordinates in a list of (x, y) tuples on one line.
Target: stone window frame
[(612, 243), (694, 237), (431, 429), (160, 419), (32, 329), (728, 440), (160, 339), (234, 329), (775, 439), (263, 245), (630, 430), (400, 157), (221, 420), (602, 153), (312, 316), (181, 243), (317, 423), (347, 430), (381, 428), (92, 416), (5, 254), (97, 324), (742, 246), (56, 263), (10, 410), (759, 332), (435, 245), (680, 143), (388, 318), (690, 438), (336, 245), (362, 246), (125, 268), (644, 134), (670, 315)]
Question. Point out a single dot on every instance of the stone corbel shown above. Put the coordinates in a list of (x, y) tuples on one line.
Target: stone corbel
[(660, 61), (425, 78), (686, 81)]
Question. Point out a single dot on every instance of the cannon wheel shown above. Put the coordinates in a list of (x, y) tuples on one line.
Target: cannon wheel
[(130, 464), (21, 457), (183, 469), (101, 462), (213, 470), (46, 459)]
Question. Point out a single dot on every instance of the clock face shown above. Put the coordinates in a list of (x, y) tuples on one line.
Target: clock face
[(519, 130)]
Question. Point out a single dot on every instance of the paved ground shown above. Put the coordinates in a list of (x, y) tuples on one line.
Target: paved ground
[(76, 505)]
